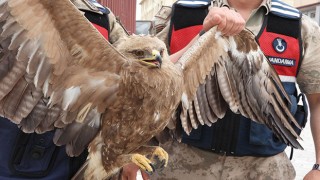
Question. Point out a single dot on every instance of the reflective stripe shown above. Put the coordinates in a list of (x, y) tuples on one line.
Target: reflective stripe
[(98, 5), (296, 15), (282, 9), (193, 2), (287, 78)]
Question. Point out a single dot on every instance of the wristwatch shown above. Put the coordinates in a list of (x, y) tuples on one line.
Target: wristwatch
[(316, 167)]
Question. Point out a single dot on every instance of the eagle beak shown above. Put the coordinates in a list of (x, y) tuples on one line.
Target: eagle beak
[(154, 61)]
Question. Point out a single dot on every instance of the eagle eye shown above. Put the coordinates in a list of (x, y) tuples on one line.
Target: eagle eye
[(138, 53)]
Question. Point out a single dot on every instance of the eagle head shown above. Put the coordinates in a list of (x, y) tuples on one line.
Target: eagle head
[(147, 50)]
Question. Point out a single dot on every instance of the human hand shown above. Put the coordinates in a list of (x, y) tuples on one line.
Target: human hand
[(129, 172), (312, 175), (228, 21)]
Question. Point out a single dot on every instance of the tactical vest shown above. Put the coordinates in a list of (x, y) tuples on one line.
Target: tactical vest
[(234, 134), (24, 156)]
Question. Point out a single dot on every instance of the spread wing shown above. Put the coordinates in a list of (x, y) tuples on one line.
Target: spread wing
[(52, 63), (232, 72)]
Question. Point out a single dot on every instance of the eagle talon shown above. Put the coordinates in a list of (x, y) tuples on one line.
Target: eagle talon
[(157, 162), (153, 169), (144, 163), (159, 158)]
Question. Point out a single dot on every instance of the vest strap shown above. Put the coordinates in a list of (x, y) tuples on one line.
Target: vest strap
[(286, 27)]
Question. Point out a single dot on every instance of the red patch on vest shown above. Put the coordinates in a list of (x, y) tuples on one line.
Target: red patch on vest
[(181, 37), (291, 56), (102, 30)]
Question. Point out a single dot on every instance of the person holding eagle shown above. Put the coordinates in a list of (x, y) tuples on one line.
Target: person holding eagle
[(230, 148)]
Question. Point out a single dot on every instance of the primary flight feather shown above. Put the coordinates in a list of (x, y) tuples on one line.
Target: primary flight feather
[(117, 99)]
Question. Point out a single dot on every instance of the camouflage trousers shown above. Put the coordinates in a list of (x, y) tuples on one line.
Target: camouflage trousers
[(190, 163)]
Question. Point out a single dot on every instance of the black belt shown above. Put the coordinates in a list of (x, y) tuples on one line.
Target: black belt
[(225, 135)]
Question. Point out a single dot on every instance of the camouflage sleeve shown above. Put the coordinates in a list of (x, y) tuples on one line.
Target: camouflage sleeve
[(162, 18), (309, 75), (162, 23), (117, 30), (163, 36)]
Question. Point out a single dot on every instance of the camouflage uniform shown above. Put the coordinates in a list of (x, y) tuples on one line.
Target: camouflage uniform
[(187, 162), (190, 163), (117, 30)]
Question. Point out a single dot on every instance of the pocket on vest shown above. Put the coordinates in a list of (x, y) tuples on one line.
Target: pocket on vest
[(33, 155)]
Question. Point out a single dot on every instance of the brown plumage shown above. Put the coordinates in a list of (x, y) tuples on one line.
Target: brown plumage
[(57, 71), (239, 77)]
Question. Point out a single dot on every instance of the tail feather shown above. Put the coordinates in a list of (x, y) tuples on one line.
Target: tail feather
[(80, 173)]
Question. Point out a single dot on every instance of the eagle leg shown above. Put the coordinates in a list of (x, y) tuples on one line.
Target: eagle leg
[(157, 155)]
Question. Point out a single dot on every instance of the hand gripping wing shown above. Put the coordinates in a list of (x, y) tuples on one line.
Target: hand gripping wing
[(56, 70), (232, 72)]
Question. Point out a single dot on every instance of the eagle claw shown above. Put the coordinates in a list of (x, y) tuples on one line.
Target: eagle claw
[(144, 163), (153, 169), (159, 158)]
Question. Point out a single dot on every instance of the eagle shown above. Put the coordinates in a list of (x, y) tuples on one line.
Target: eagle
[(114, 99)]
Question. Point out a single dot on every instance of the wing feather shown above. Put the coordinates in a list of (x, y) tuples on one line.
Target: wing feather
[(199, 112), (210, 116), (47, 123), (46, 52), (236, 74), (34, 118), (227, 87), (193, 116), (217, 104), (185, 120)]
